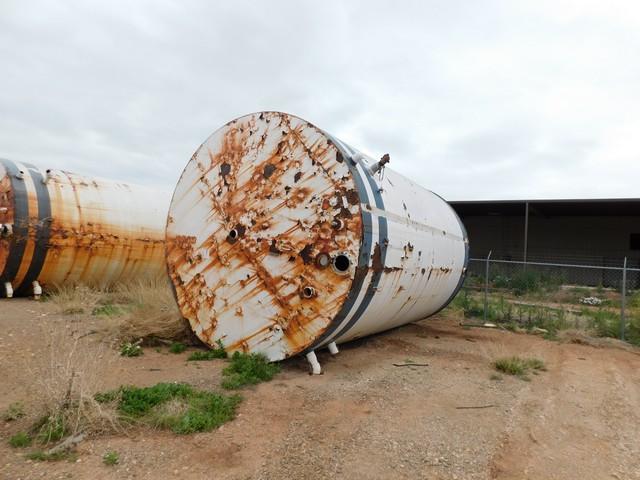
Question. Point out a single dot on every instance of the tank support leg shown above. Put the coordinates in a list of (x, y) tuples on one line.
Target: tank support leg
[(333, 348), (8, 289), (316, 369), (37, 290)]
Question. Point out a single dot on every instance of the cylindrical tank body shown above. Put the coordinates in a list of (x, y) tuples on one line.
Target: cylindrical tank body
[(60, 228), (282, 239)]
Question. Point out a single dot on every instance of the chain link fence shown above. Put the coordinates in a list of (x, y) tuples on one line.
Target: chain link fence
[(549, 296)]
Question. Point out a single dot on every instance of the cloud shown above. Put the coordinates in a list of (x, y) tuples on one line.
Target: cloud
[(472, 99)]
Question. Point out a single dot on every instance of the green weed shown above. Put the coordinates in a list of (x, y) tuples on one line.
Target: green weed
[(513, 316), (14, 412), (522, 282), (525, 282), (41, 456), (131, 349), (535, 364), (501, 281), (199, 356), (248, 369), (218, 352), (634, 300), (50, 428), (468, 304), (519, 367), (177, 347), (606, 323), (20, 440), (473, 280), (511, 326), (175, 406), (200, 412), (136, 402), (111, 458)]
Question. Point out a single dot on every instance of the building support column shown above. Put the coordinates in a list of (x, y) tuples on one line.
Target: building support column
[(526, 232)]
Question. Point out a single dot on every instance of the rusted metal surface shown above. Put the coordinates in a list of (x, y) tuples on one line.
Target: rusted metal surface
[(6, 216), (61, 228), (282, 239)]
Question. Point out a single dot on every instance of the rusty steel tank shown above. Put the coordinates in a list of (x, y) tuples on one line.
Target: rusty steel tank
[(281, 239), (60, 228)]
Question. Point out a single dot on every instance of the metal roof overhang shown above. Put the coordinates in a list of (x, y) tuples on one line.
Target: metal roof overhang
[(549, 208)]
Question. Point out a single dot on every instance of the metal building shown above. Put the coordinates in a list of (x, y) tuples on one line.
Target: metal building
[(599, 232)]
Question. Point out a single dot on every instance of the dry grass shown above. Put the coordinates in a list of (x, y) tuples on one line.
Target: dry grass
[(74, 299), (66, 377), (68, 373), (519, 367), (130, 311), (153, 313), (14, 412)]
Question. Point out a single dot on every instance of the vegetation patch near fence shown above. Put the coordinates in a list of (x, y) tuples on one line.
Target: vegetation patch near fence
[(535, 302)]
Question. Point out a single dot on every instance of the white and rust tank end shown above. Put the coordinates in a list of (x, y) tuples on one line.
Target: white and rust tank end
[(59, 228), (281, 239)]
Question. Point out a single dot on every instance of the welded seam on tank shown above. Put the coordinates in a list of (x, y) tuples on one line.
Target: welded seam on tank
[(78, 207), (20, 222), (383, 241), (363, 256), (393, 217), (43, 228)]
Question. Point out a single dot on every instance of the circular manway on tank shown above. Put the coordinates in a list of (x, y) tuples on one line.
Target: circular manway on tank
[(263, 235)]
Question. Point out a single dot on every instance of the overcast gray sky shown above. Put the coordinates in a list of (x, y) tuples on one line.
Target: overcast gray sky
[(473, 99)]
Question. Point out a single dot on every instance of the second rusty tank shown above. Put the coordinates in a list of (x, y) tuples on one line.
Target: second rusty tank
[(60, 228), (281, 239)]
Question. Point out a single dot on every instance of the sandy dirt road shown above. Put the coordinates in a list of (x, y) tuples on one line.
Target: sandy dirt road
[(365, 417)]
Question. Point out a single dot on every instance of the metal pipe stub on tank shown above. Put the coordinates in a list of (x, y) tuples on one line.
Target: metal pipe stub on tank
[(59, 228), (281, 239)]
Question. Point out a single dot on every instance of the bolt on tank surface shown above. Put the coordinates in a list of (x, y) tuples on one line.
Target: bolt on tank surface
[(60, 228), (281, 239)]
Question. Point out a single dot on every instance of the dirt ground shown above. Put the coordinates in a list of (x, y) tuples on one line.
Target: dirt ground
[(365, 417)]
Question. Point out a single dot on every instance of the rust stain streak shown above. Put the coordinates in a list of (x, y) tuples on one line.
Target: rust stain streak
[(273, 223)]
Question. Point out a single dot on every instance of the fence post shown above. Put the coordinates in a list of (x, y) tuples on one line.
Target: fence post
[(486, 287), (624, 299)]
